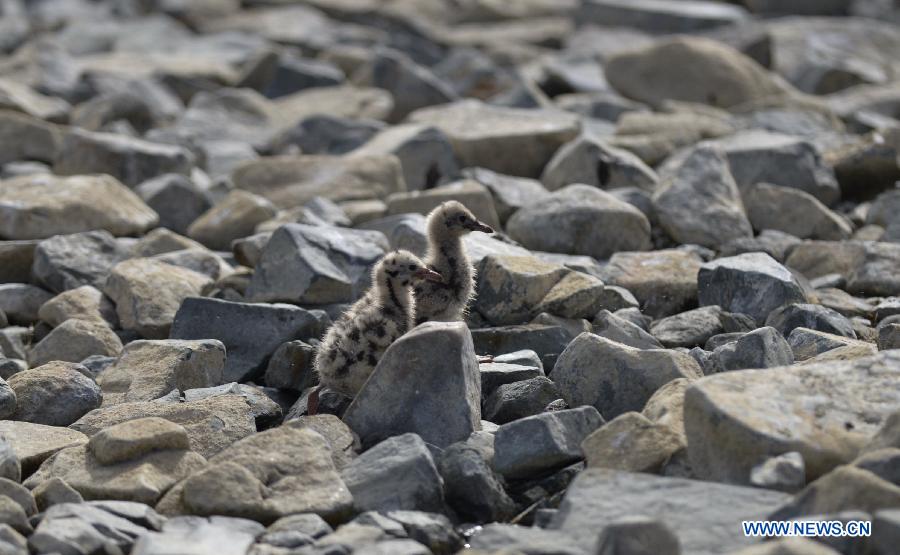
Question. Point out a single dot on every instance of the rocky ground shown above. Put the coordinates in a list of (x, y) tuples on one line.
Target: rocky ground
[(692, 298)]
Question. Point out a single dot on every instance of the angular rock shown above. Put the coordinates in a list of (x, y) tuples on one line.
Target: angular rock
[(810, 316), (176, 198), (278, 472), (137, 460), (785, 472), (736, 420), (807, 343), (664, 281), (688, 329), (432, 372), (148, 293), (54, 492), (594, 163), (211, 424), (425, 154), (20, 302), (75, 340), (559, 222), (471, 486), (67, 262), (519, 399), (513, 141), (83, 303), (698, 200), (42, 205), (511, 287), (659, 17), (777, 159), (761, 348), (616, 378), (235, 216), (537, 445), (326, 134), (27, 138), (620, 330), (548, 341), (599, 497), (510, 193), (31, 444), (148, 370), (248, 353), (752, 284), (793, 211), (412, 86), (291, 366), (632, 443), (289, 181), (56, 394), (315, 265), (93, 526), (397, 474), (691, 69), (470, 193), (889, 337), (130, 160)]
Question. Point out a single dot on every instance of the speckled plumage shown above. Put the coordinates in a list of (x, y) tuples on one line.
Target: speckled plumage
[(448, 300), (354, 344)]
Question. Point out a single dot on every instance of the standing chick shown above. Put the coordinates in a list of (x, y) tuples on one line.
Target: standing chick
[(446, 300), (353, 346)]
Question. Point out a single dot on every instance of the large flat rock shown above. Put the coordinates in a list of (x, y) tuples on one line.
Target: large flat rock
[(826, 411), (705, 516)]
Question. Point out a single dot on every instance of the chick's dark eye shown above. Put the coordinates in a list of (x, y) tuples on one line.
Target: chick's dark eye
[(412, 267)]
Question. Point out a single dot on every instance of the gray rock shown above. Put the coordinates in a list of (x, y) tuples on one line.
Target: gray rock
[(889, 337), (10, 467), (620, 330), (588, 161), (75, 340), (66, 262), (432, 530), (633, 443), (785, 472), (807, 343), (688, 329), (424, 152), (148, 293), (512, 141), (752, 284), (558, 223), (326, 134), (510, 193), (264, 409), (730, 434), (519, 399), (397, 474), (21, 302), (471, 487), (56, 394), (599, 497), (664, 281), (616, 378), (537, 445), (96, 525), (291, 366), (315, 265), (811, 316), (13, 340), (523, 539), (7, 400), (248, 353), (176, 198), (432, 372), (510, 288), (656, 17), (55, 491), (412, 86), (211, 424), (775, 243), (148, 370), (764, 157), (494, 374), (84, 303), (761, 348), (548, 341), (233, 217), (193, 535), (15, 261), (638, 535), (292, 74), (793, 211), (698, 200), (130, 160)]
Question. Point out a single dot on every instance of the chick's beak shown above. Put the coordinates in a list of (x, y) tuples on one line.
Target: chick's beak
[(427, 274), (482, 227)]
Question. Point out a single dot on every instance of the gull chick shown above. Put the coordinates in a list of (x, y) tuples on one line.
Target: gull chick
[(447, 300), (353, 346)]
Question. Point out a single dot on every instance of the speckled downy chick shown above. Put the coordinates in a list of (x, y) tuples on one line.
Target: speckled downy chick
[(447, 300), (353, 346)]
